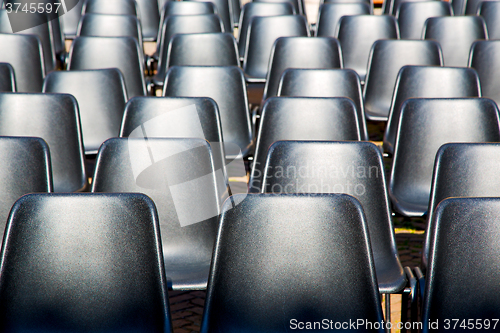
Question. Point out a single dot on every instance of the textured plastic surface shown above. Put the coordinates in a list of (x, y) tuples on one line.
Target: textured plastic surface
[(298, 5), (330, 13), (490, 11), (223, 8), (115, 7), (396, 5), (485, 59), (106, 25), (411, 16)]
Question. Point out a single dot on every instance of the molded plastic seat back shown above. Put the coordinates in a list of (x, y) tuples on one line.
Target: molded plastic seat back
[(83, 262), (105, 25), (302, 118), (114, 7), (354, 168), (428, 82), (7, 78), (411, 16), (71, 19), (223, 8), (298, 5), (485, 59), (101, 96), (150, 19), (396, 5), (307, 255), (424, 126), (490, 11), (387, 57), (330, 14)]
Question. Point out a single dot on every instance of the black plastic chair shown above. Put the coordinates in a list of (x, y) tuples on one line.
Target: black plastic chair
[(357, 34), (330, 13), (101, 96), (298, 5), (472, 6), (253, 9), (306, 255), (25, 169), (325, 83), (302, 118), (54, 118), (463, 273), (123, 53), (71, 19), (424, 126), (411, 16), (387, 57), (114, 7), (226, 85), (300, 52), (178, 175), (83, 262), (396, 5), (106, 25), (428, 82), (224, 11), (489, 11), (150, 19), (458, 7), (485, 59), (262, 34), (7, 78), (462, 170), (455, 35)]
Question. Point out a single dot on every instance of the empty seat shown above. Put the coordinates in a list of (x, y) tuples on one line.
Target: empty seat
[(472, 6), (411, 16), (489, 11), (485, 59), (325, 83), (463, 273), (302, 118), (357, 34), (462, 170), (330, 13), (426, 124), (223, 8), (71, 19), (354, 168), (178, 175), (306, 256), (458, 7), (83, 262), (252, 9), (300, 52), (101, 97), (123, 53), (115, 7), (262, 34), (54, 118), (428, 82), (226, 85), (298, 5), (387, 57), (105, 25), (396, 5), (150, 19), (7, 78), (455, 35)]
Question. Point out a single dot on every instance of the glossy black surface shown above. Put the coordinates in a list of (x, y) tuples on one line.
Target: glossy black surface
[(83, 263), (490, 11), (357, 34), (236, 11), (224, 11), (150, 18), (302, 118), (298, 5), (458, 7), (472, 6), (396, 5), (354, 168), (7, 78), (387, 57), (325, 83), (455, 35), (262, 33), (107, 25), (462, 170), (463, 275), (101, 96), (330, 14), (428, 82), (178, 174), (71, 19), (116, 7), (252, 9), (300, 52), (411, 16), (123, 53), (485, 59), (25, 169), (226, 85), (424, 126), (307, 255), (54, 118)]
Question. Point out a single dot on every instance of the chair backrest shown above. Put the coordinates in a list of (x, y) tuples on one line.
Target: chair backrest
[(302, 118), (235, 11), (354, 168), (226, 85), (330, 13), (463, 271), (25, 169), (298, 82), (150, 19), (252, 9), (7, 78), (428, 82), (261, 35), (101, 95), (426, 124), (411, 16), (106, 25), (489, 11), (298, 5), (387, 57), (115, 7), (472, 6), (485, 59), (458, 7), (357, 34), (307, 255), (396, 5), (179, 176), (224, 10), (300, 52), (54, 118), (71, 19), (455, 35), (83, 262), (123, 53)]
